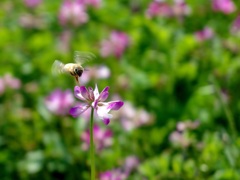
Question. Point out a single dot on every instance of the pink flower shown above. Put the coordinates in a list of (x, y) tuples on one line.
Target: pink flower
[(235, 28), (131, 162), (159, 8), (180, 8), (32, 3), (102, 138), (132, 118), (73, 12), (205, 34), (59, 102), (7, 81), (92, 98), (115, 174), (116, 45), (94, 73), (12, 82), (225, 6)]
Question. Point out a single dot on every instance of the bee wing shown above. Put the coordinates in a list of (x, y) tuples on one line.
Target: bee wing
[(57, 67), (82, 57)]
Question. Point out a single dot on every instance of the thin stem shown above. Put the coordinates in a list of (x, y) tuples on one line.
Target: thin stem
[(92, 148), (226, 109)]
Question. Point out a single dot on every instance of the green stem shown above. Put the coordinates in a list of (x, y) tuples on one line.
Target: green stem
[(92, 148), (226, 109)]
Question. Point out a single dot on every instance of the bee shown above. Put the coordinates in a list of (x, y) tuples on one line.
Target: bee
[(75, 69)]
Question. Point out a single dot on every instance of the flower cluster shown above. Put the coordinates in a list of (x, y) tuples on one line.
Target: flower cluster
[(225, 6), (235, 28), (74, 12), (59, 102), (94, 99), (102, 138), (132, 118), (7, 81), (115, 45), (180, 137), (122, 173), (32, 3), (204, 34), (161, 8)]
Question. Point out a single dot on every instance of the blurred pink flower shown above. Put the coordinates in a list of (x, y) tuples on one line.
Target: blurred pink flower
[(159, 8), (180, 136), (131, 162), (115, 45), (73, 12), (32, 3), (94, 73), (64, 40), (225, 6), (235, 27), (184, 125), (11, 82), (59, 102), (204, 34), (115, 174), (7, 81), (180, 8), (92, 98), (102, 138), (132, 118)]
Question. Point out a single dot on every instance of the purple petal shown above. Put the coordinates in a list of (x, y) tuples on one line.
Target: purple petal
[(77, 93), (103, 96), (84, 92), (106, 121), (77, 110), (115, 105), (91, 95)]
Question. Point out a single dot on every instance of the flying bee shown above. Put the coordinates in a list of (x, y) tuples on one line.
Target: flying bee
[(74, 69)]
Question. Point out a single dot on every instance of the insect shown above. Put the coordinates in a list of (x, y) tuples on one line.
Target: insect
[(74, 69)]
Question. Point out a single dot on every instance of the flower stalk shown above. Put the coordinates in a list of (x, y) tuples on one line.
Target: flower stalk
[(92, 148)]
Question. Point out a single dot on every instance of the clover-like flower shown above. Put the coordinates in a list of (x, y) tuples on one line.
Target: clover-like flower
[(94, 99)]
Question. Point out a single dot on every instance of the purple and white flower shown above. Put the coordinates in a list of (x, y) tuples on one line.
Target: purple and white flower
[(94, 99), (59, 102), (102, 138)]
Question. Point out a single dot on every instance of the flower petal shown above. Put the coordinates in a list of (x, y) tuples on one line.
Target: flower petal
[(96, 92), (106, 121), (115, 105), (77, 110), (103, 96), (77, 93), (84, 92), (91, 94)]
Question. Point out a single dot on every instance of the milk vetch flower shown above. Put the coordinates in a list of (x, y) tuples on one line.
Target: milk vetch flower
[(94, 99)]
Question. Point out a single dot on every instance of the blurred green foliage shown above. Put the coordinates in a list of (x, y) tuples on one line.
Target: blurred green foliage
[(167, 71)]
